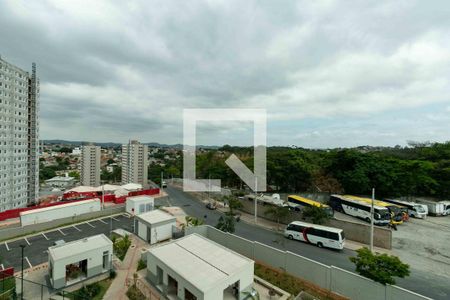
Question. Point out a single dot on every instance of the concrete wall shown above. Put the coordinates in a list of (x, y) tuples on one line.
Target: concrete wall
[(356, 287), (9, 233), (331, 278), (382, 237), (308, 269)]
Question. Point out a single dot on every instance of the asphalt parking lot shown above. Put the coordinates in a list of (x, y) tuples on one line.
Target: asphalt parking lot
[(36, 246)]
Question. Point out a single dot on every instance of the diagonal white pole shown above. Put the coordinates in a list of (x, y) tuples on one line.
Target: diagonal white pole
[(256, 200)]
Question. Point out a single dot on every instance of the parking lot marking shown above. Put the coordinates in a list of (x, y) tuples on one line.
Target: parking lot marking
[(90, 224), (115, 219), (26, 258), (101, 220), (6, 244), (76, 228), (43, 234), (61, 231), (27, 241)]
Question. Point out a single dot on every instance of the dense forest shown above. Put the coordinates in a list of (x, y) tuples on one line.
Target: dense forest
[(416, 170)]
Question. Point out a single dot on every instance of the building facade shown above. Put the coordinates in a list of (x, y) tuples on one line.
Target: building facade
[(19, 136), (135, 163), (79, 260), (90, 165)]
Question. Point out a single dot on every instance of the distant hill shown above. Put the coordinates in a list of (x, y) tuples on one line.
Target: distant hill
[(112, 144)]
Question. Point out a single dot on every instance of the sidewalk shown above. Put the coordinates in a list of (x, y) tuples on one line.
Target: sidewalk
[(125, 270)]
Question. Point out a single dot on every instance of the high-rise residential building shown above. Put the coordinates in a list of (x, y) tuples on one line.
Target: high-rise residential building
[(90, 165), (135, 163), (19, 136)]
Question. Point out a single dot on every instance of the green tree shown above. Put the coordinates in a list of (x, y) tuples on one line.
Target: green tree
[(75, 175), (279, 213), (226, 224), (379, 267), (233, 203), (318, 215)]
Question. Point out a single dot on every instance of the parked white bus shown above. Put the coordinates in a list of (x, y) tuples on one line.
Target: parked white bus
[(322, 236), (415, 210), (360, 209)]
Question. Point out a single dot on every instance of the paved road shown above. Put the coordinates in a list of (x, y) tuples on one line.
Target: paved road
[(35, 252), (420, 282)]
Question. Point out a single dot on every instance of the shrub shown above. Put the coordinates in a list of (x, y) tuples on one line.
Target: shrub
[(112, 274), (141, 265), (317, 215), (134, 293)]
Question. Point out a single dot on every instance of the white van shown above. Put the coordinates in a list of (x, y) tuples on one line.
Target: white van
[(322, 236)]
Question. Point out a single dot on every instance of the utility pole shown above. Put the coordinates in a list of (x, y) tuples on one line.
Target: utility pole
[(161, 185), (103, 197), (371, 220), (256, 200), (21, 279)]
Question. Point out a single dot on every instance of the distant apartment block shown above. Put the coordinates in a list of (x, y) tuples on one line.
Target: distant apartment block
[(19, 136), (90, 165), (135, 163)]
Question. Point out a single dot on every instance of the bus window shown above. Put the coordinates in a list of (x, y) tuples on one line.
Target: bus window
[(333, 236)]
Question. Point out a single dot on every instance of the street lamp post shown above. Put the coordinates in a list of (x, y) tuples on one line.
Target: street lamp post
[(371, 220), (21, 279)]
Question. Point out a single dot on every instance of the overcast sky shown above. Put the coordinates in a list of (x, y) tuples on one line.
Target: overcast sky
[(329, 73)]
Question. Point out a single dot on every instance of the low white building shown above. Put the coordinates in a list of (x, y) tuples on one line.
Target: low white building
[(47, 214), (61, 181), (154, 226), (76, 151), (196, 268), (137, 205), (78, 260)]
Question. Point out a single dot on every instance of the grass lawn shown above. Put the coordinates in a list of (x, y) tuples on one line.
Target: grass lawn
[(121, 246), (291, 284), (103, 287)]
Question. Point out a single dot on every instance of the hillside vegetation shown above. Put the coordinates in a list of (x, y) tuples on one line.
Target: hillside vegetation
[(416, 170)]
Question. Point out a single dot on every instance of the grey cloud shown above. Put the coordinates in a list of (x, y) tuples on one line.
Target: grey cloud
[(129, 68)]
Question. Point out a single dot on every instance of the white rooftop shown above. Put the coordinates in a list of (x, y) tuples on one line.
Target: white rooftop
[(60, 178), (79, 246), (155, 217), (200, 261), (132, 186), (106, 188), (139, 198)]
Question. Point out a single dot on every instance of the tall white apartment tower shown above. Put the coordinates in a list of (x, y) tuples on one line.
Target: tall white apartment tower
[(135, 163), (90, 165), (19, 136)]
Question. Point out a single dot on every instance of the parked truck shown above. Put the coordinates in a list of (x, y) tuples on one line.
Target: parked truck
[(440, 208)]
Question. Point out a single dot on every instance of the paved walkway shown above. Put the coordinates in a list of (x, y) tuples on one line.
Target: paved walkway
[(125, 270)]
